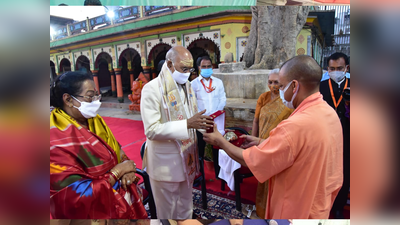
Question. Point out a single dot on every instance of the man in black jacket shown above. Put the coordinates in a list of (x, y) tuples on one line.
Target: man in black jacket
[(332, 90)]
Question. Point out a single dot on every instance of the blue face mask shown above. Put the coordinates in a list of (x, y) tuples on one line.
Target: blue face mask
[(206, 73)]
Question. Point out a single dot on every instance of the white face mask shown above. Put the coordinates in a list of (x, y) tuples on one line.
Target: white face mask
[(282, 95), (337, 76), (179, 77), (88, 109)]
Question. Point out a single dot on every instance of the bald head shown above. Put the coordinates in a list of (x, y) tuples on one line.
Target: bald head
[(179, 57), (179, 53), (304, 69)]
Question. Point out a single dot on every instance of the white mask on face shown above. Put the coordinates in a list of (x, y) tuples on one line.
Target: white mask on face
[(337, 76), (88, 109), (282, 95), (179, 77)]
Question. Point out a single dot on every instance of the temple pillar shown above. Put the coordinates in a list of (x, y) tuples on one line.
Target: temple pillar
[(120, 94), (113, 86), (147, 73), (96, 80), (131, 77)]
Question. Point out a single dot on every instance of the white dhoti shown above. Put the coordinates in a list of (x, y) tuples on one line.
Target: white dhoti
[(174, 200)]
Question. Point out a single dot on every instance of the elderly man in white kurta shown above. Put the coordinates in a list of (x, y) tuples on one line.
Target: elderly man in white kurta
[(170, 116)]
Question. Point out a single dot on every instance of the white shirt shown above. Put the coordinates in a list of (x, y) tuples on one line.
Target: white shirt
[(212, 102)]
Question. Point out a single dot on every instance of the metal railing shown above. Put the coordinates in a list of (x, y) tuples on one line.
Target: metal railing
[(78, 27), (152, 10), (100, 20), (127, 14), (121, 15), (341, 36), (342, 23)]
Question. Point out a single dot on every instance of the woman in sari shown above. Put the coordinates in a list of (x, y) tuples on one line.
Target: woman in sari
[(90, 175), (270, 111)]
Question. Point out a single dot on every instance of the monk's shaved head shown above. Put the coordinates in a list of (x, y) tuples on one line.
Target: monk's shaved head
[(304, 69)]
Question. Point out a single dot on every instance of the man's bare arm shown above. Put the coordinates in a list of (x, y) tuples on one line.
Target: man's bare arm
[(215, 138)]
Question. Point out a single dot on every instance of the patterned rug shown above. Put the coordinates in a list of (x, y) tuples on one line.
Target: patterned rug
[(217, 207)]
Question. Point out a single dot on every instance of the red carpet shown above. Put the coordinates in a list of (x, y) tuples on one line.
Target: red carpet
[(130, 134), (248, 188)]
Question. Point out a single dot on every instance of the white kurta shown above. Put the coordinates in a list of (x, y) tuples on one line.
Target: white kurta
[(212, 102), (172, 196), (164, 162)]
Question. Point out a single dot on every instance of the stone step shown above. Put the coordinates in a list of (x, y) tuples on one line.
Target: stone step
[(116, 105), (240, 112)]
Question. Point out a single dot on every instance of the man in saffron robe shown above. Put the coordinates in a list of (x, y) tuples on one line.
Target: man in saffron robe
[(270, 111), (303, 155)]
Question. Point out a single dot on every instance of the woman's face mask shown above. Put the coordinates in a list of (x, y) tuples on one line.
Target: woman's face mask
[(88, 109)]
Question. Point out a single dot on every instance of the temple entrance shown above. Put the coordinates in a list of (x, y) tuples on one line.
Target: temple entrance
[(132, 57), (65, 65), (103, 63), (83, 64), (157, 54), (202, 47)]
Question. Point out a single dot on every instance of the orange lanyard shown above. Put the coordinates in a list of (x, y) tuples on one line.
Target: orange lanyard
[(333, 96), (208, 89)]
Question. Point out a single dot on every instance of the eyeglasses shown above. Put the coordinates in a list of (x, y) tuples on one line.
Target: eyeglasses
[(90, 98), (187, 70)]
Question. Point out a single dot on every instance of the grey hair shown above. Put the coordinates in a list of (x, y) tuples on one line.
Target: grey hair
[(171, 55), (274, 71)]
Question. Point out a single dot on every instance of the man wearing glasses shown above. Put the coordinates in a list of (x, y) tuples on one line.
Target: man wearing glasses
[(170, 116), (302, 157)]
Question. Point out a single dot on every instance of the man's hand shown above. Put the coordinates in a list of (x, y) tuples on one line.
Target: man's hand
[(250, 141), (213, 138), (200, 121)]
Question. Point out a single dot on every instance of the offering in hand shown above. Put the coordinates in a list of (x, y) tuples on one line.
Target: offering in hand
[(230, 136)]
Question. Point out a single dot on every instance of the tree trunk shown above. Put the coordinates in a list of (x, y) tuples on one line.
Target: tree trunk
[(273, 35)]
